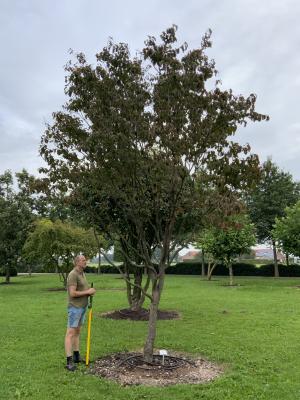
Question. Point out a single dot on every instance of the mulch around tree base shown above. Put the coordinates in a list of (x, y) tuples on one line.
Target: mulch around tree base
[(190, 370), (141, 315)]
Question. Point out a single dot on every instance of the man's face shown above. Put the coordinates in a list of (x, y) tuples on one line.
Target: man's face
[(81, 262)]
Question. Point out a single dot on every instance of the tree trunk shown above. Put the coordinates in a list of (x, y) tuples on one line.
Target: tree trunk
[(210, 270), (203, 265), (287, 259), (149, 345), (136, 291), (276, 270), (230, 274), (99, 264), (7, 276)]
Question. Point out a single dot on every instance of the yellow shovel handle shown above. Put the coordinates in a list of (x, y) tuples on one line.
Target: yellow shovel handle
[(88, 343)]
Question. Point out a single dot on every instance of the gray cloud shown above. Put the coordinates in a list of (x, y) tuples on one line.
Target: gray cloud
[(254, 45)]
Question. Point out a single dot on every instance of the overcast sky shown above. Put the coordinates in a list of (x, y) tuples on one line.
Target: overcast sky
[(255, 45)]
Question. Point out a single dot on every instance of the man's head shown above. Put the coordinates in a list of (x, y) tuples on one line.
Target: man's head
[(80, 262)]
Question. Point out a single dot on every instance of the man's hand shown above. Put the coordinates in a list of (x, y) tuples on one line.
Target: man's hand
[(91, 291)]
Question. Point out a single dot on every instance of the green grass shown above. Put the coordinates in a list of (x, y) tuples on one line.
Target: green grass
[(257, 338)]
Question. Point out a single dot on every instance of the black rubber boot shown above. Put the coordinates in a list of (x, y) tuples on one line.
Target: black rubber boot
[(76, 357), (70, 367)]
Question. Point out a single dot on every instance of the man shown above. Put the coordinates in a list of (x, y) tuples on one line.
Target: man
[(78, 294)]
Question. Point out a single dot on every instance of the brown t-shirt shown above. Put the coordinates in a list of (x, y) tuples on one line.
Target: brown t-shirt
[(78, 280)]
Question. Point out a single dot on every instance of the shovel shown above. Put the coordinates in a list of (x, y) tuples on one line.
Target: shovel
[(88, 342)]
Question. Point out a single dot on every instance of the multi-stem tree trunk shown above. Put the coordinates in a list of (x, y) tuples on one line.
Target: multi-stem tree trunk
[(230, 274), (210, 270), (135, 294), (276, 270)]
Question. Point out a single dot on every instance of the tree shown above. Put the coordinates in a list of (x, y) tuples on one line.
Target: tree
[(15, 218), (55, 244), (287, 230), (131, 139), (224, 243), (275, 191)]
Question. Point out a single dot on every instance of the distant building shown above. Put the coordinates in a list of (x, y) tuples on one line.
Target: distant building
[(267, 254), (191, 255)]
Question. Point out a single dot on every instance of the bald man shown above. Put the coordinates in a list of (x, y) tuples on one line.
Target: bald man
[(78, 294)]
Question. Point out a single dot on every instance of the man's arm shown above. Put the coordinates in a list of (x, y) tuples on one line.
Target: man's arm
[(75, 293)]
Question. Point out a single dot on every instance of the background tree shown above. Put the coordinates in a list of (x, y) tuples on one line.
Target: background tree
[(55, 244), (275, 191), (131, 139), (224, 243), (15, 219), (287, 230)]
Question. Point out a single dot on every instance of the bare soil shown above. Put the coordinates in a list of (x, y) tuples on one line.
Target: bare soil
[(140, 315), (135, 372)]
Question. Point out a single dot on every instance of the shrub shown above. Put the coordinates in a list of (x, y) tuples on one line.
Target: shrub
[(12, 270)]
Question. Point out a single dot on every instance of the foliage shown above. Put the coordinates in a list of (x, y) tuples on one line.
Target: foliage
[(15, 218), (131, 141), (287, 230), (55, 244), (275, 191)]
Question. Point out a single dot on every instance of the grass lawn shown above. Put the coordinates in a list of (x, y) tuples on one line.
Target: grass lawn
[(254, 329)]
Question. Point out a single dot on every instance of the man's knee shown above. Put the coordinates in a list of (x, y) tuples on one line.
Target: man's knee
[(77, 331), (71, 332)]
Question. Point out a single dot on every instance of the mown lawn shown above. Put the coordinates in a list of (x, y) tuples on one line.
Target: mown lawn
[(253, 329)]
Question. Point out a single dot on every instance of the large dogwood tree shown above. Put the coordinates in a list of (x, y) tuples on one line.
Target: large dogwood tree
[(131, 140)]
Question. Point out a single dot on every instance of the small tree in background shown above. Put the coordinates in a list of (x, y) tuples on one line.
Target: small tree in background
[(55, 244), (233, 237), (287, 230)]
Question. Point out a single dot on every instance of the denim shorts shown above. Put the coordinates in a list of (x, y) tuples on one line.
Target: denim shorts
[(76, 316)]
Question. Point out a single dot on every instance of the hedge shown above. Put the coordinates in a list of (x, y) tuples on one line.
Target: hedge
[(239, 269), (12, 271)]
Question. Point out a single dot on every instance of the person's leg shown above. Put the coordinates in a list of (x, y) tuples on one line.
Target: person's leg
[(74, 316), (69, 340), (76, 339), (69, 348)]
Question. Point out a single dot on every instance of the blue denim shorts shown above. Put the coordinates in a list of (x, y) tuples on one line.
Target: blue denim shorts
[(76, 316)]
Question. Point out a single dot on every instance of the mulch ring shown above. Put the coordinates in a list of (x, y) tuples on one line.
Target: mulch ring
[(141, 315), (130, 369)]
